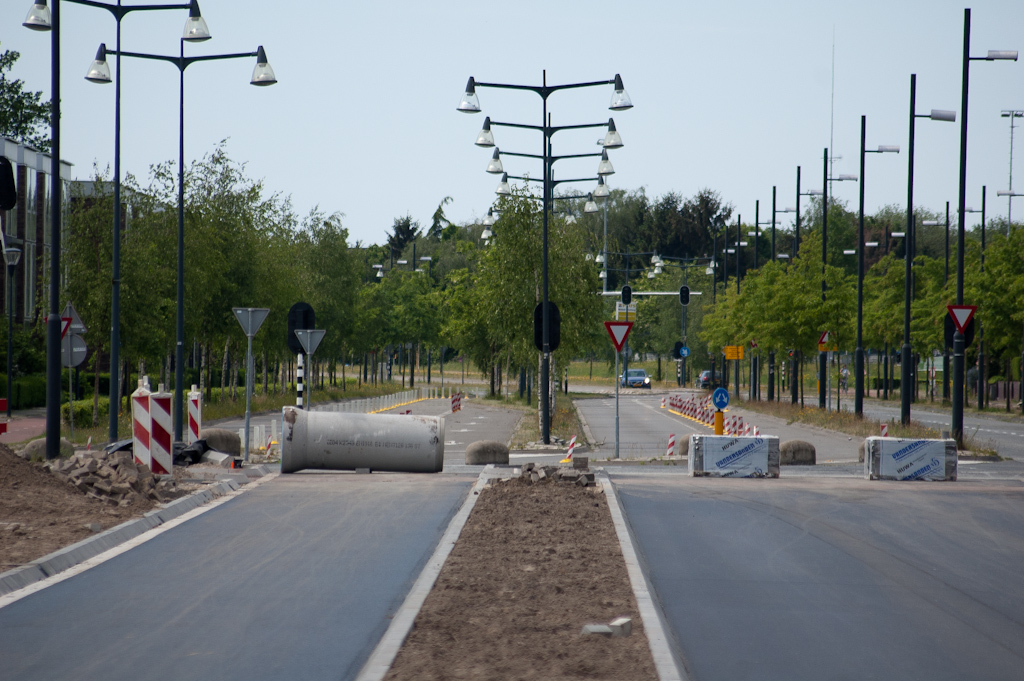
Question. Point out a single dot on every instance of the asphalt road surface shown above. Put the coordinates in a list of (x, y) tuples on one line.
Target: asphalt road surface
[(828, 578), (295, 579)]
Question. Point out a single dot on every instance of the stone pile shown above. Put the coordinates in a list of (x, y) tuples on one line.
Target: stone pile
[(533, 473), (113, 477)]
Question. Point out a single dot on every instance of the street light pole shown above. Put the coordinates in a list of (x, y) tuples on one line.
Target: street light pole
[(620, 101), (1011, 114), (11, 256), (262, 75), (957, 421)]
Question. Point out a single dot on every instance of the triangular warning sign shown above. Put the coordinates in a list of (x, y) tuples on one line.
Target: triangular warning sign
[(618, 331), (961, 315), (65, 324)]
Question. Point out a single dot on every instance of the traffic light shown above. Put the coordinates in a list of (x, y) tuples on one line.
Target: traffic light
[(684, 295), (677, 350), (627, 295), (554, 327)]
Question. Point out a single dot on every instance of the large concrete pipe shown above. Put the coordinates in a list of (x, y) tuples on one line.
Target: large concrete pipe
[(347, 441)]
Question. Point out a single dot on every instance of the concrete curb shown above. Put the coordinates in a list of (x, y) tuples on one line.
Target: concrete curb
[(668, 668), (586, 427), (75, 554), (383, 656)]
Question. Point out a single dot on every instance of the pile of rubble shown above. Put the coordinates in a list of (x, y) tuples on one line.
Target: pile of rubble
[(533, 473), (113, 477)]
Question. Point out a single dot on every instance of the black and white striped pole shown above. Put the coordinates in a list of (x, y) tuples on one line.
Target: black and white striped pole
[(310, 340)]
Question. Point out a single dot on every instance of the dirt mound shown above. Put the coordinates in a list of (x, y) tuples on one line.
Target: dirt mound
[(40, 514), (535, 562)]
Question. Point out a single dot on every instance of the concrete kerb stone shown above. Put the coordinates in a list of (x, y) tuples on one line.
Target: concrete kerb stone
[(665, 662), (383, 656), (586, 426), (77, 553)]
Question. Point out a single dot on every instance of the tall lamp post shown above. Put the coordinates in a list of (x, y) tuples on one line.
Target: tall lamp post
[(1011, 114), (262, 75), (620, 101), (957, 421), (38, 20), (858, 362), (981, 328), (11, 257), (910, 248)]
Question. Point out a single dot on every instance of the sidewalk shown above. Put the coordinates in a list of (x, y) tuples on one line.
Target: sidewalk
[(25, 424)]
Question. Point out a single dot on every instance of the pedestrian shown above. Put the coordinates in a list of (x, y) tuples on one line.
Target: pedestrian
[(844, 379)]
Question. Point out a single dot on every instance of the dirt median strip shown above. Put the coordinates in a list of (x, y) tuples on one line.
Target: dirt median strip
[(534, 563)]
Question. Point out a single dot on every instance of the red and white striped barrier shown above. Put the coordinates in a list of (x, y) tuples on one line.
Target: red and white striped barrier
[(456, 402), (885, 430), (572, 447), (671, 445), (141, 423), (195, 415), (662, 402), (162, 425)]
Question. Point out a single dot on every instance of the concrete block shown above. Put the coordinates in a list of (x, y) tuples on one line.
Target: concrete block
[(621, 626), (485, 452), (222, 440), (600, 629), (219, 458), (581, 462), (796, 453)]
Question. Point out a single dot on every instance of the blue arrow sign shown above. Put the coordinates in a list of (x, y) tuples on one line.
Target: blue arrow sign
[(684, 351), (720, 398)]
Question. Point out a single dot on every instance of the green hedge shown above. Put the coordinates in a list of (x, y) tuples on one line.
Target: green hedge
[(28, 392), (83, 412)]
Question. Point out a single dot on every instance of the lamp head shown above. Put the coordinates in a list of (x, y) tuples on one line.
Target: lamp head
[(599, 259), (99, 70), (1001, 55), (889, 149), (601, 190), (485, 138), (38, 18), (590, 206), (503, 188), (620, 99), (943, 115), (612, 140), (470, 102), (196, 30), (12, 256), (605, 166), (487, 233), (262, 74), (494, 167)]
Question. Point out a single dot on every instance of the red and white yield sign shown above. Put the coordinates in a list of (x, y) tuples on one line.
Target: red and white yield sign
[(619, 331), (961, 315)]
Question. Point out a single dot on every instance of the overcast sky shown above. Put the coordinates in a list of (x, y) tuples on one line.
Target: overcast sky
[(731, 96)]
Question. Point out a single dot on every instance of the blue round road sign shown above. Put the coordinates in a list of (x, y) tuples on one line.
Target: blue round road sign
[(720, 398), (684, 351)]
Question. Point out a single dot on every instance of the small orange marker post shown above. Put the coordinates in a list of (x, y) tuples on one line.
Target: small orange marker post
[(719, 422)]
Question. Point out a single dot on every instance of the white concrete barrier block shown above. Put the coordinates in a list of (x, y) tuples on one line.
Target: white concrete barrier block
[(734, 457), (890, 458)]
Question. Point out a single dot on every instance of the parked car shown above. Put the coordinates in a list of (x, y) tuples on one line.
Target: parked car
[(636, 378), (704, 381)]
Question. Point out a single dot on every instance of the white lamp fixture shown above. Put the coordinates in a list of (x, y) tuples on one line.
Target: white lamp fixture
[(12, 256), (590, 206), (494, 167), (486, 234), (503, 188), (196, 30), (930, 223), (602, 275), (599, 259), (897, 235), (570, 219), (401, 262), (849, 252), (997, 55), (889, 149), (470, 102), (489, 218), (871, 244), (601, 191), (620, 100), (38, 18), (605, 166), (262, 74), (943, 115), (485, 138), (650, 275), (612, 140), (784, 256), (657, 269), (847, 178), (99, 70), (814, 192)]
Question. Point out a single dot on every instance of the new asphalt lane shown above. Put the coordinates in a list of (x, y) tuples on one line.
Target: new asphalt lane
[(295, 579), (834, 578)]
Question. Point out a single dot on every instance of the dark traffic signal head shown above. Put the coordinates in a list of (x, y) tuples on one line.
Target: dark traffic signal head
[(627, 295), (684, 295)]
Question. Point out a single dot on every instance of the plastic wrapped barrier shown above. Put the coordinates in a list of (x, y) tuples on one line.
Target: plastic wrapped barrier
[(734, 457), (890, 458), (347, 441)]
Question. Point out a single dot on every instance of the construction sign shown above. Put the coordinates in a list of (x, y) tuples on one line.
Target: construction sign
[(733, 351), (625, 312)]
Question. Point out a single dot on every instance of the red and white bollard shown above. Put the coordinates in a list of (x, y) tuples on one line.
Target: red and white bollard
[(671, 445), (141, 423), (162, 426), (456, 402), (195, 415), (662, 402), (885, 430)]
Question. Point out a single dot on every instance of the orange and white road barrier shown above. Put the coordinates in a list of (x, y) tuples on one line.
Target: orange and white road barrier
[(885, 430), (671, 445), (195, 415), (162, 425), (141, 423), (456, 402), (572, 446)]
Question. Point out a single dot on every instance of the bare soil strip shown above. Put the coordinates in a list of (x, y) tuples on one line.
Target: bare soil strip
[(534, 563)]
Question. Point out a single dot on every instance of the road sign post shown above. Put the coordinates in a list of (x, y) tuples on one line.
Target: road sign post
[(720, 398), (310, 340), (619, 332), (251, 318)]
